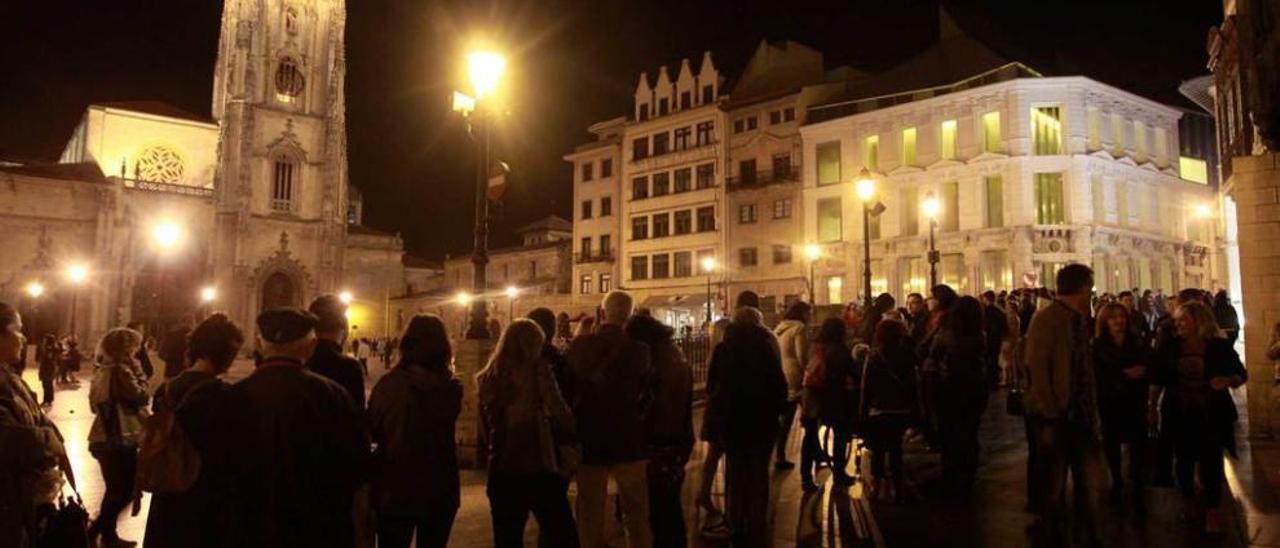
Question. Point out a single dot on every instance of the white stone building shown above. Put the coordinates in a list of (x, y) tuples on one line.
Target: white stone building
[(255, 198), (1031, 173)]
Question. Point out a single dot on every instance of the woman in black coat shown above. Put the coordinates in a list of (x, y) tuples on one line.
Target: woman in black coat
[(956, 353), (1194, 372), (888, 404), (197, 397), (838, 400), (1120, 359), (412, 415)]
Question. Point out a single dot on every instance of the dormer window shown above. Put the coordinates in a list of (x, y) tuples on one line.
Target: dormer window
[(289, 81), (291, 21)]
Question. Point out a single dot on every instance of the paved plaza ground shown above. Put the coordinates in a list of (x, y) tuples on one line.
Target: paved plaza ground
[(995, 516)]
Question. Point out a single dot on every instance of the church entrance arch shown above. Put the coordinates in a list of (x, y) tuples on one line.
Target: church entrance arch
[(279, 290)]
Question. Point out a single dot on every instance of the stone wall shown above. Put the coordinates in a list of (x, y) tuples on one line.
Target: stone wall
[(1256, 181)]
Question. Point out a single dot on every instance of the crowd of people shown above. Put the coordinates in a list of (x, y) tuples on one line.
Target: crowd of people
[(296, 454)]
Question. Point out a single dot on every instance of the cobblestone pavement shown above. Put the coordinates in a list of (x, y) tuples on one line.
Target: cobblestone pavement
[(994, 517)]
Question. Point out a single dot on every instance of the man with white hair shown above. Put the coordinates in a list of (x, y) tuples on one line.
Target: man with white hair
[(611, 376)]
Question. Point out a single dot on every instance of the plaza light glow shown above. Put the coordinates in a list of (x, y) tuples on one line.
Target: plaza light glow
[(931, 206), (346, 297), (463, 298), (35, 290), (208, 294), (512, 291), (709, 264), (77, 273), (167, 235), (812, 252), (1204, 211), (485, 69), (463, 103), (865, 186)]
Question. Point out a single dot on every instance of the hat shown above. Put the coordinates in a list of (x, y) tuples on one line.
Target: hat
[(285, 325)]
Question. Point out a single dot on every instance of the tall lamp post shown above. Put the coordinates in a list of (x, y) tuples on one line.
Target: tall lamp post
[(866, 189), (812, 253), (709, 268), (931, 207), (76, 274), (484, 70)]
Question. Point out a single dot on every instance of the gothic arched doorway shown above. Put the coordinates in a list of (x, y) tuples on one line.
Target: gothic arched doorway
[(279, 290)]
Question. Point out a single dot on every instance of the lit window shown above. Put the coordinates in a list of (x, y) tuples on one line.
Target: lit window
[(289, 81), (747, 213), (585, 286), (835, 290), (1046, 130), (1095, 129), (1140, 143), (1194, 169), (995, 201), (947, 139), (871, 153), (1117, 135), (282, 186), (829, 220), (909, 146), (995, 270), (782, 208), (950, 207), (991, 132), (951, 271), (606, 283), (1162, 147), (828, 155), (1050, 207)]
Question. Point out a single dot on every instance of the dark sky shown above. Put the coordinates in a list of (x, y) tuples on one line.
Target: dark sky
[(572, 63)]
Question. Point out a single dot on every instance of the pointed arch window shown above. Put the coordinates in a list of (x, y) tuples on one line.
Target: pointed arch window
[(289, 80), (284, 183)]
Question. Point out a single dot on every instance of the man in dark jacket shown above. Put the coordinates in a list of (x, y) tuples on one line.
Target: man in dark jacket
[(546, 319), (611, 377), (173, 349), (296, 442), (995, 328), (328, 361), (747, 391)]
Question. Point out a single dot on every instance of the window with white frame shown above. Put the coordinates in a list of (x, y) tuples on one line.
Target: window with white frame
[(282, 185)]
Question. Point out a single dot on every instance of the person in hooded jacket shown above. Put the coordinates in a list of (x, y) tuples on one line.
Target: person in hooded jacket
[(793, 344), (412, 415)]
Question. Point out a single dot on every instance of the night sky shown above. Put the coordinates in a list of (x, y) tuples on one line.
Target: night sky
[(572, 62)]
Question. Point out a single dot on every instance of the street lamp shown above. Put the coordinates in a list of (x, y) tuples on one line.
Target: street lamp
[(484, 70), (463, 298), (709, 268), (931, 207), (76, 274), (812, 253), (866, 190), (35, 290), (512, 292), (345, 297), (166, 235), (208, 294)]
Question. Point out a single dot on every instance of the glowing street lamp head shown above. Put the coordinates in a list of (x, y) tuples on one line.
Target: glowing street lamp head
[(865, 185), (167, 235), (708, 264), (485, 69), (1204, 211), (512, 291), (77, 273), (464, 298), (35, 290), (931, 207), (812, 252), (208, 294), (345, 297)]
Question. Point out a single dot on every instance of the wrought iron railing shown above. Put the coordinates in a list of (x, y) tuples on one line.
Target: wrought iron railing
[(171, 188)]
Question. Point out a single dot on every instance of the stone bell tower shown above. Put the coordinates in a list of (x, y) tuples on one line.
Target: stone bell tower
[(281, 181)]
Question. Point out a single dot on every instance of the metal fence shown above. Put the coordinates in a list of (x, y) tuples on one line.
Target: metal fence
[(697, 351)]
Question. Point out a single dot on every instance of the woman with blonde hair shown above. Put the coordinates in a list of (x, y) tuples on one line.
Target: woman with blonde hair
[(1120, 359), (523, 414), (1193, 372), (118, 398)]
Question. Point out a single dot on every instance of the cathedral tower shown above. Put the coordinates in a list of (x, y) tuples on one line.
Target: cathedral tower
[(281, 180)]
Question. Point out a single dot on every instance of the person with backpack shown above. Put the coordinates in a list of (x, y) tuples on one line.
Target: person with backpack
[(413, 412), (187, 429), (118, 398)]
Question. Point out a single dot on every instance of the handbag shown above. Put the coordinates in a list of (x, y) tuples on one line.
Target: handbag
[(63, 523)]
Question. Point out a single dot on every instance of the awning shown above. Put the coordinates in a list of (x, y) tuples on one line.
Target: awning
[(696, 301)]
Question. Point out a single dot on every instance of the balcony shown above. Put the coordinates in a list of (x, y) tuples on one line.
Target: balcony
[(605, 256), (170, 188), (760, 179), (1054, 239)]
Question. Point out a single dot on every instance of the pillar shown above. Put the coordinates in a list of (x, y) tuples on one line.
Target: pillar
[(1257, 190)]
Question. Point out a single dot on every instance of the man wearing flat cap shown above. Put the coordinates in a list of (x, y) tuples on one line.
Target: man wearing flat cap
[(298, 446)]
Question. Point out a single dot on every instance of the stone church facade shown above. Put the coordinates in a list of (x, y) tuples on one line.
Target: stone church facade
[(258, 194)]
